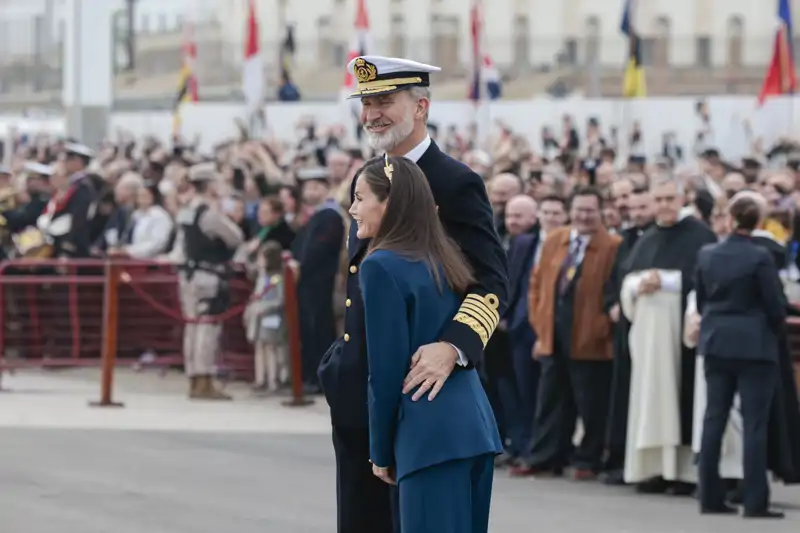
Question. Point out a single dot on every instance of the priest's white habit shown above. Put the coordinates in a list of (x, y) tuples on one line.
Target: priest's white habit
[(653, 444), (731, 462)]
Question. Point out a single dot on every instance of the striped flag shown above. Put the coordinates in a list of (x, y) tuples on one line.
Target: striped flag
[(485, 82), (633, 81), (287, 53), (781, 77), (361, 46), (187, 81), (253, 81)]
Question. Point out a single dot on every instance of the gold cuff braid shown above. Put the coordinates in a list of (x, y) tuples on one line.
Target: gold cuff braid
[(480, 314)]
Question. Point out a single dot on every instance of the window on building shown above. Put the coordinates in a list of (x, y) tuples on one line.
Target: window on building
[(735, 39), (521, 30), (592, 41), (662, 42), (703, 51), (397, 45), (569, 55)]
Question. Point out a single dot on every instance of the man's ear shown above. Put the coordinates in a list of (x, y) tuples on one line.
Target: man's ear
[(423, 105)]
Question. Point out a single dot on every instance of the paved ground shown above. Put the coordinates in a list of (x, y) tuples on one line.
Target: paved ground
[(164, 465)]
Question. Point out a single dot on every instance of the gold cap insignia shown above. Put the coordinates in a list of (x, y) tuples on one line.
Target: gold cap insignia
[(364, 70), (388, 168)]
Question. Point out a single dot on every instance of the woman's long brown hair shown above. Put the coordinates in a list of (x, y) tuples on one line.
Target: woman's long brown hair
[(411, 225)]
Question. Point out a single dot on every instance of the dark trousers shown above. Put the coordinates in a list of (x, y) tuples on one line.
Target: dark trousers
[(450, 497), (526, 377), (756, 382), (497, 376), (569, 389), (620, 394), (364, 503)]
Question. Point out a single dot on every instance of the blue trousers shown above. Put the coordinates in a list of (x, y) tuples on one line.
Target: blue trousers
[(451, 497)]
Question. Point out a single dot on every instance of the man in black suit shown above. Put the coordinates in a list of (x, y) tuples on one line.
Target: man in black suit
[(511, 375), (395, 99), (743, 311), (640, 210), (317, 249)]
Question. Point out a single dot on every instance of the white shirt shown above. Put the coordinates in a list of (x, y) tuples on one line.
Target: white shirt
[(539, 245), (419, 150), (151, 233)]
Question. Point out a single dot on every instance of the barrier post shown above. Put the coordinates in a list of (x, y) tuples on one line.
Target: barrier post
[(110, 329), (293, 327)]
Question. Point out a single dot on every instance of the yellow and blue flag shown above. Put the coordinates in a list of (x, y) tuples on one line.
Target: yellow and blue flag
[(633, 82)]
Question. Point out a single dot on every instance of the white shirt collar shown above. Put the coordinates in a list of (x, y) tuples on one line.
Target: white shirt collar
[(573, 235), (417, 152)]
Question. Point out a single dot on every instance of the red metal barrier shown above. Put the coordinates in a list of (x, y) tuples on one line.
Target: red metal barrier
[(293, 327), (53, 313)]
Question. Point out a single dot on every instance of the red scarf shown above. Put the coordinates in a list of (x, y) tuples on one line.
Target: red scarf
[(56, 206)]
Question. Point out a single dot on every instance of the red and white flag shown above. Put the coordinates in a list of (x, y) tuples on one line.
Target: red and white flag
[(253, 81), (361, 46)]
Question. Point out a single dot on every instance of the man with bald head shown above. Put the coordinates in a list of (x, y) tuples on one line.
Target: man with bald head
[(520, 215), (501, 189)]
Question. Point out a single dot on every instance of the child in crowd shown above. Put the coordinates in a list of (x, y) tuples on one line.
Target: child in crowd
[(264, 323)]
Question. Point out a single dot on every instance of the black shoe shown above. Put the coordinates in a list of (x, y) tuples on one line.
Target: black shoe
[(656, 485), (723, 509), (766, 513), (734, 497), (680, 488)]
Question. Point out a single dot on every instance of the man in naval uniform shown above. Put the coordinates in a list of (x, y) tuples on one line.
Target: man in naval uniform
[(66, 218), (209, 240), (395, 99)]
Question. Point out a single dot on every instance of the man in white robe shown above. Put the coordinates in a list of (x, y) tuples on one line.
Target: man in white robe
[(657, 277), (654, 448)]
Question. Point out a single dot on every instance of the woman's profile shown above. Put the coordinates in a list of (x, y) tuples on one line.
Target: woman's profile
[(440, 453)]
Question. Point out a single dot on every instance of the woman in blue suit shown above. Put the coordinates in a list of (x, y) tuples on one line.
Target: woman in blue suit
[(440, 453)]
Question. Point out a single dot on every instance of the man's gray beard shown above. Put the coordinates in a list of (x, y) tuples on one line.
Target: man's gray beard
[(389, 140)]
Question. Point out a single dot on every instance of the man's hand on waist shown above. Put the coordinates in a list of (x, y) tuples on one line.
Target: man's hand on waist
[(431, 365)]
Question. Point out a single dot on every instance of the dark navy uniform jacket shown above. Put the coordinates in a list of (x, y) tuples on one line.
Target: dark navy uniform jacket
[(405, 309), (467, 217)]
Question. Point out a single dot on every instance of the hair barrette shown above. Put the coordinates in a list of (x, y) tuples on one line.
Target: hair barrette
[(388, 168)]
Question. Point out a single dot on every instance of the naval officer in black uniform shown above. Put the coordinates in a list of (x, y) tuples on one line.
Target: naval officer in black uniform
[(395, 99)]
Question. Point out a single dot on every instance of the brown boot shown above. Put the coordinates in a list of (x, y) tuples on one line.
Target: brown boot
[(207, 391), (193, 386)]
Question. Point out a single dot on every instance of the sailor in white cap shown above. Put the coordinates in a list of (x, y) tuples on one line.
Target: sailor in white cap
[(208, 239), (65, 220), (395, 96)]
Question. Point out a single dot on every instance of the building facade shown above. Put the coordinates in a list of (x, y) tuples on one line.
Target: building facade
[(524, 33)]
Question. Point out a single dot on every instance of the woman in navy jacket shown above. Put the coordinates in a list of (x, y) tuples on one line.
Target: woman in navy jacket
[(440, 453)]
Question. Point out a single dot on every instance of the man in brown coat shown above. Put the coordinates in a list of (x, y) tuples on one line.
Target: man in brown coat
[(574, 347)]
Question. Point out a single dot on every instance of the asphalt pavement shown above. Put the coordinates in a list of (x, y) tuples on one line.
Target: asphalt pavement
[(164, 465)]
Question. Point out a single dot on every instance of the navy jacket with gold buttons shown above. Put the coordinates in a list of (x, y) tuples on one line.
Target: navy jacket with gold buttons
[(467, 217)]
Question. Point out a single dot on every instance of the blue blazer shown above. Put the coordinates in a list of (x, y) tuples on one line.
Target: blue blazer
[(740, 299), (405, 310)]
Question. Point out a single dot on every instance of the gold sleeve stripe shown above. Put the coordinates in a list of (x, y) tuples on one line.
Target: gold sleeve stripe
[(480, 314), (474, 326), (488, 303), (472, 310)]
